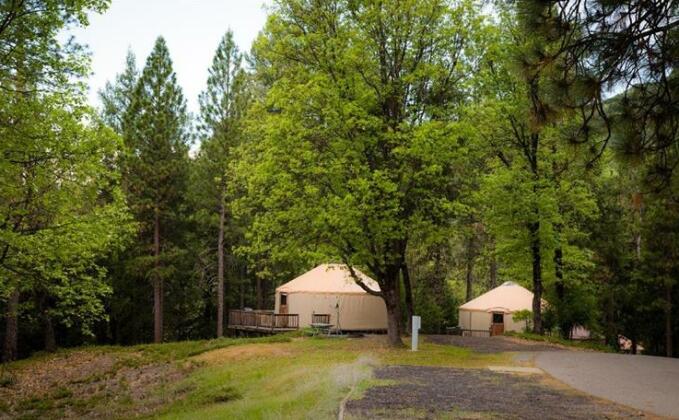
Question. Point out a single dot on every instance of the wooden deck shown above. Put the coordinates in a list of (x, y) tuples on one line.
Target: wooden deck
[(469, 333), (266, 322)]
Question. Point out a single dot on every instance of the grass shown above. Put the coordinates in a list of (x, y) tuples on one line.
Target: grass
[(586, 345), (179, 350), (284, 376), (305, 378)]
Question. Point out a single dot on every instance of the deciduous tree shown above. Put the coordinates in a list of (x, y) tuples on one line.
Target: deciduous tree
[(356, 135)]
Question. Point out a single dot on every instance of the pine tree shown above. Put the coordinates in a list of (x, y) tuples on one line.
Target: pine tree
[(116, 96), (222, 105), (156, 138)]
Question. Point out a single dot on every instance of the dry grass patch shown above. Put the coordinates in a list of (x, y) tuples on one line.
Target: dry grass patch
[(244, 352), (89, 384)]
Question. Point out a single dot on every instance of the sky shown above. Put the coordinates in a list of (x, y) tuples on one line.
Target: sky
[(192, 29)]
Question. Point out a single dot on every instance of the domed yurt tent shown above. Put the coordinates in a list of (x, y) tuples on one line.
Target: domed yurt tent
[(493, 310), (330, 289)]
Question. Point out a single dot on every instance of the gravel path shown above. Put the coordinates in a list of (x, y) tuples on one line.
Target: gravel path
[(431, 392), (497, 344), (643, 382)]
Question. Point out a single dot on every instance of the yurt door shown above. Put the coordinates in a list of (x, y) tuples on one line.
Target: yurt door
[(497, 327), (282, 321), (283, 304)]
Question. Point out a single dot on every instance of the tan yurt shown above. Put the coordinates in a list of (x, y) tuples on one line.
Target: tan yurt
[(329, 289), (492, 311)]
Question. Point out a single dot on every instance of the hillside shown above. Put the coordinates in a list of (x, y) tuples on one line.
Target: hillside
[(273, 377)]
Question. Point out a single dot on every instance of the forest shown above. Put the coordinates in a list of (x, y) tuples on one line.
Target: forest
[(440, 146)]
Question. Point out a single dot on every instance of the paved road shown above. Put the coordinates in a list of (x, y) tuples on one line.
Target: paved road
[(643, 382)]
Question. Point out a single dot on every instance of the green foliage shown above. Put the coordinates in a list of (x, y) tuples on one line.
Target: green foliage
[(429, 265), (595, 57), (32, 47), (404, 137), (223, 105), (352, 150), (523, 315), (116, 97), (156, 140), (537, 198), (61, 205), (155, 173), (438, 312), (63, 225)]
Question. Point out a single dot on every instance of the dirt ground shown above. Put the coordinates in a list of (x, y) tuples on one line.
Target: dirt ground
[(83, 383), (497, 344), (437, 392)]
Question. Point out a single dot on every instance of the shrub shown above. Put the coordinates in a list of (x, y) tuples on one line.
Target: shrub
[(526, 316)]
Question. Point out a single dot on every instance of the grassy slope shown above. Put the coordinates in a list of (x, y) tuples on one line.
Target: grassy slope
[(304, 378), (277, 377)]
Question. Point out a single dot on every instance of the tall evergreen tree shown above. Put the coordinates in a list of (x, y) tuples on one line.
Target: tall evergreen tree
[(155, 166), (222, 106)]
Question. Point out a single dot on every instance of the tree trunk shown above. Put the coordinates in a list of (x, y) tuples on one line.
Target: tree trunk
[(220, 270), (410, 308), (469, 268), (493, 272), (437, 283), (157, 284), (10, 348), (558, 272), (50, 337), (560, 288), (260, 293), (392, 302), (534, 229), (638, 204), (669, 351), (610, 332), (242, 294), (470, 279)]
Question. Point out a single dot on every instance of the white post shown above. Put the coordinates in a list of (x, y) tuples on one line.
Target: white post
[(416, 322)]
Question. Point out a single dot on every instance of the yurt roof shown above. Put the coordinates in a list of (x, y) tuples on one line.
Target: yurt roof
[(508, 297), (328, 278)]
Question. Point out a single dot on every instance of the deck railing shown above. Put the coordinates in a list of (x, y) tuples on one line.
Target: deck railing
[(468, 332), (262, 320), (320, 318), (476, 333)]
